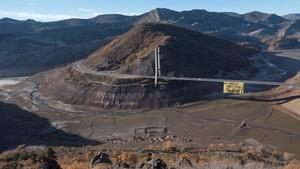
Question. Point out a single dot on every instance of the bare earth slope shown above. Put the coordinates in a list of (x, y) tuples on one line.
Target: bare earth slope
[(184, 53), (292, 95)]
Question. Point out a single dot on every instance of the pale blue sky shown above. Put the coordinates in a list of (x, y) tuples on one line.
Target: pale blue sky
[(49, 10)]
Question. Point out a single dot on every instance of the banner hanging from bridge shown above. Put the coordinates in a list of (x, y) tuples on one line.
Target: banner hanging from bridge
[(234, 87)]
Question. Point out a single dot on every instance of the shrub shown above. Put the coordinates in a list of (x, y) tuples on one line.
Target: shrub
[(77, 165), (49, 153), (19, 156), (168, 146), (128, 157)]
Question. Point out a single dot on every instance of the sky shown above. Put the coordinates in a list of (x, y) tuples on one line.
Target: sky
[(51, 10)]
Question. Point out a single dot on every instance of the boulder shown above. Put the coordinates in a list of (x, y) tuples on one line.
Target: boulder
[(101, 158), (154, 164)]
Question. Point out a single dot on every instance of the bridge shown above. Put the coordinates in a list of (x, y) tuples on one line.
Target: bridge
[(81, 68)]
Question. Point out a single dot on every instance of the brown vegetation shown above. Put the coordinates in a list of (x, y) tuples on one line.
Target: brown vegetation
[(247, 155)]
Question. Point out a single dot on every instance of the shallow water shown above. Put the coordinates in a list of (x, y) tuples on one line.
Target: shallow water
[(5, 82)]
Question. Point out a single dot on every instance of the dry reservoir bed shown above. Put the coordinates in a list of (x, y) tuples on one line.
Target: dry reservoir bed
[(230, 120)]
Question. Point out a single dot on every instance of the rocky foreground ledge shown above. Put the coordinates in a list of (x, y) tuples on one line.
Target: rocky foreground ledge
[(249, 154)]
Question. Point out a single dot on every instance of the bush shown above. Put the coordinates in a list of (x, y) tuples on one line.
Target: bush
[(19, 156), (49, 153)]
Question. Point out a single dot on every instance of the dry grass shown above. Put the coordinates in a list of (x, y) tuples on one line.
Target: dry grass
[(76, 165), (128, 158), (225, 164), (72, 158), (295, 164), (76, 162)]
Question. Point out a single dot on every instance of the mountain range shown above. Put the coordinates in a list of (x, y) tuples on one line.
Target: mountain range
[(28, 47)]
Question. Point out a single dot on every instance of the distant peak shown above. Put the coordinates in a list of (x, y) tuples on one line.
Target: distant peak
[(233, 14), (158, 14), (199, 10), (274, 19), (30, 20), (162, 10), (8, 20), (109, 18), (110, 15), (275, 16), (257, 12), (255, 16)]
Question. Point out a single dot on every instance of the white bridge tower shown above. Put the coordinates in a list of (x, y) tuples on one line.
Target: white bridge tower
[(157, 65)]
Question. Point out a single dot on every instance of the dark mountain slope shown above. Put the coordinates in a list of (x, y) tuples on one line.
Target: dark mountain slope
[(47, 45), (8, 26), (274, 20)]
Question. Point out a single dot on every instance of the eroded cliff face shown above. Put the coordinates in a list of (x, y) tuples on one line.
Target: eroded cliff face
[(77, 89), (183, 53)]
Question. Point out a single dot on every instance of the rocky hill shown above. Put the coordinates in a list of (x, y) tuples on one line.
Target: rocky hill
[(289, 35), (184, 53), (294, 16), (255, 16)]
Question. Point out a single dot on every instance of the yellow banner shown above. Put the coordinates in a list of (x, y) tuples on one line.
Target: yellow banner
[(234, 87)]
